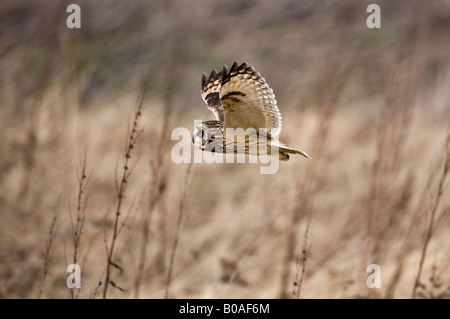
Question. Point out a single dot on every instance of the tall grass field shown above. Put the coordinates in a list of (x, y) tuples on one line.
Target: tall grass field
[(87, 176)]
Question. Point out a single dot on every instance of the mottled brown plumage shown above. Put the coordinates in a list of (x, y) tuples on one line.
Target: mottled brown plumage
[(240, 98)]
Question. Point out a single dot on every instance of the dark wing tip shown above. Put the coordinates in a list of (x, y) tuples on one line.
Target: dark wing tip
[(204, 79), (234, 66), (225, 70), (243, 66), (213, 74)]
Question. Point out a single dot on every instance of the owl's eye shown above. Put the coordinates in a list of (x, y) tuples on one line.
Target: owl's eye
[(199, 133)]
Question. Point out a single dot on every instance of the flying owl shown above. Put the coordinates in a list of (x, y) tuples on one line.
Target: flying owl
[(241, 100)]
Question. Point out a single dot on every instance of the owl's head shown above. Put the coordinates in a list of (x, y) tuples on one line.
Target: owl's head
[(205, 133)]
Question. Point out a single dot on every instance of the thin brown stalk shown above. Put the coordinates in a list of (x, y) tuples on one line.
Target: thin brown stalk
[(143, 252), (157, 188), (177, 231), (77, 226), (48, 248), (97, 287), (160, 261), (121, 190), (408, 240), (301, 260), (435, 205)]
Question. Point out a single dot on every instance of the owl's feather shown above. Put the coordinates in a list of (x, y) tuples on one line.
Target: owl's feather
[(241, 98)]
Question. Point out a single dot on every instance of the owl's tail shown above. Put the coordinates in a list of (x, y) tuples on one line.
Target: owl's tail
[(285, 150)]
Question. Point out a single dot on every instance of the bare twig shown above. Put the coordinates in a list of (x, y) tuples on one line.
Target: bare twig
[(157, 187), (121, 189), (434, 208), (77, 226), (301, 260), (48, 247), (177, 231), (97, 287)]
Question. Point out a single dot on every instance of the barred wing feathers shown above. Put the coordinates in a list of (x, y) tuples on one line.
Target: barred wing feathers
[(241, 98)]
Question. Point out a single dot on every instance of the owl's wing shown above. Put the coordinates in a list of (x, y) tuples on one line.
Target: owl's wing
[(241, 98), (211, 93), (248, 102)]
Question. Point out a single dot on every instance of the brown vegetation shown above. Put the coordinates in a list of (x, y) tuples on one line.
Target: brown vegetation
[(371, 107)]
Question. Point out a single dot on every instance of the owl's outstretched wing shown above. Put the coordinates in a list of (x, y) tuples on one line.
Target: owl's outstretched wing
[(211, 93), (242, 99), (248, 101)]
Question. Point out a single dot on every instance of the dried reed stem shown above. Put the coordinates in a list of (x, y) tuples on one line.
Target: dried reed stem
[(408, 240), (77, 226), (301, 260), (434, 208), (48, 248), (157, 188), (177, 231), (121, 188)]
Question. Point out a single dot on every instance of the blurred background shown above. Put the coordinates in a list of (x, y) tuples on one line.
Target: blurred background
[(371, 106)]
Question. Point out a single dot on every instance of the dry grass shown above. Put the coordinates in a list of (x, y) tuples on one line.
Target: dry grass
[(370, 107), (432, 219)]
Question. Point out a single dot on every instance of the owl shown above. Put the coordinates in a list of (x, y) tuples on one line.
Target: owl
[(244, 105)]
